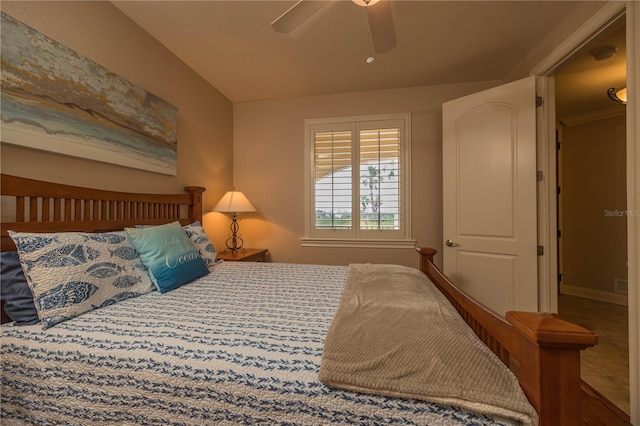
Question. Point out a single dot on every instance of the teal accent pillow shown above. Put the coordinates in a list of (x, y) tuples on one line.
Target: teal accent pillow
[(201, 242), (168, 254)]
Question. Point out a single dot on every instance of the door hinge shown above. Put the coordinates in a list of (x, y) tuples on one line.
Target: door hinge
[(559, 277), (559, 233), (539, 175), (539, 101), (540, 250)]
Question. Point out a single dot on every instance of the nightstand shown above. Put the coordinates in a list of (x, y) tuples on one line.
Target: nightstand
[(248, 255)]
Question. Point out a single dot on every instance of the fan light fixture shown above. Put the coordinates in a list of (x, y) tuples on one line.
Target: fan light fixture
[(378, 13), (365, 3), (618, 95)]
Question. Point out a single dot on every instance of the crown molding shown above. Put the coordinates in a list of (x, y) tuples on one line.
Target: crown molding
[(588, 117)]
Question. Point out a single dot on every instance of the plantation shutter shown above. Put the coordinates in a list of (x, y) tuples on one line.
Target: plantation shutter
[(380, 179), (333, 181), (357, 181)]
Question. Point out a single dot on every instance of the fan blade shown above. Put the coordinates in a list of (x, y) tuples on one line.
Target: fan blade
[(296, 15), (383, 33)]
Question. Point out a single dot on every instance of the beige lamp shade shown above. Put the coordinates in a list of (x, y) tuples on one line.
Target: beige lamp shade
[(234, 202)]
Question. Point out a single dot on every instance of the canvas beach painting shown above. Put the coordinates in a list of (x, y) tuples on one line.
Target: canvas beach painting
[(56, 100)]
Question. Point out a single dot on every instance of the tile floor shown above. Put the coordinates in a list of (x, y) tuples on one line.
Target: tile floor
[(605, 366)]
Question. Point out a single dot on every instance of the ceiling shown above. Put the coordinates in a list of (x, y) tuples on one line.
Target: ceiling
[(582, 83), (232, 45)]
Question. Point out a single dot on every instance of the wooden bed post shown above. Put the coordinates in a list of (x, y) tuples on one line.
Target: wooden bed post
[(426, 256), (549, 364), (195, 210)]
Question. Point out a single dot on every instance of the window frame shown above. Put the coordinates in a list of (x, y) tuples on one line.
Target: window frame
[(356, 237)]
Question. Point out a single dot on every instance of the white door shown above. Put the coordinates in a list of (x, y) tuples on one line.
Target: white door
[(489, 195)]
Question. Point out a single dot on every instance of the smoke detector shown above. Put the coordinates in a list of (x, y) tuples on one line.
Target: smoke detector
[(604, 52)]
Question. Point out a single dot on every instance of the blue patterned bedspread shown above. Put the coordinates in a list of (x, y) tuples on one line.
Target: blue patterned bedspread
[(241, 345)]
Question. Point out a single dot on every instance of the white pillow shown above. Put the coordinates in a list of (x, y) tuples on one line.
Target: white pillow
[(201, 242)]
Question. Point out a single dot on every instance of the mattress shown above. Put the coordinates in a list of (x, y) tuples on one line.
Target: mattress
[(241, 345)]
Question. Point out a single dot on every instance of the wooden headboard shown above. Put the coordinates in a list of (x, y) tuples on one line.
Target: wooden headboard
[(30, 205)]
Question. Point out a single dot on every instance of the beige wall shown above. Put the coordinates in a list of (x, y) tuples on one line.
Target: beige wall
[(268, 139), (269, 168), (594, 199), (100, 32)]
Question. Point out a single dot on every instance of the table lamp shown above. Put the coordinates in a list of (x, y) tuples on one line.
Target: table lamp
[(234, 202)]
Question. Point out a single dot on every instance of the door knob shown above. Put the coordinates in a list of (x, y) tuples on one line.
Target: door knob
[(450, 243)]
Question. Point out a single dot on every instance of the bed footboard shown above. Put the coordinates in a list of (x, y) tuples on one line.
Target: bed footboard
[(541, 349)]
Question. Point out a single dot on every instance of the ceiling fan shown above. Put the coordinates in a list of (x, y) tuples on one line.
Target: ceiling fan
[(383, 35)]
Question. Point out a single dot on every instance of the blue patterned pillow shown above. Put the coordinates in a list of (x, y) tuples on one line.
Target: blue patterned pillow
[(168, 254), (70, 273), (201, 242)]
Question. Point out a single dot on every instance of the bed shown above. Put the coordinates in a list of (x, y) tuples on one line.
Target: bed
[(248, 343)]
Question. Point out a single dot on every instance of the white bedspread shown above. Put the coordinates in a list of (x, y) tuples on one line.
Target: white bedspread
[(240, 346)]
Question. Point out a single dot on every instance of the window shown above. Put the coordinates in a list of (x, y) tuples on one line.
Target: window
[(357, 188)]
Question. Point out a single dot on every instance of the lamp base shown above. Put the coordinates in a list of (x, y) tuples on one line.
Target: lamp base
[(234, 243), (234, 251)]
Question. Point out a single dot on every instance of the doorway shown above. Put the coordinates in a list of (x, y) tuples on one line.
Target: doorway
[(591, 204)]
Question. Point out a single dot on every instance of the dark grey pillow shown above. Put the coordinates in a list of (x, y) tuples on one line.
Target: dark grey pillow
[(15, 291)]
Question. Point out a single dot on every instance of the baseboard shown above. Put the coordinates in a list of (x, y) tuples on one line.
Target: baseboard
[(598, 410), (588, 293)]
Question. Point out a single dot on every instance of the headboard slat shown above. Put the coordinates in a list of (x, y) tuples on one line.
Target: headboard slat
[(33, 208), (57, 209), (20, 202), (46, 210), (78, 209)]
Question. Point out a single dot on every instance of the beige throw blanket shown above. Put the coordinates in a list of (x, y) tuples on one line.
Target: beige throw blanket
[(395, 334)]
